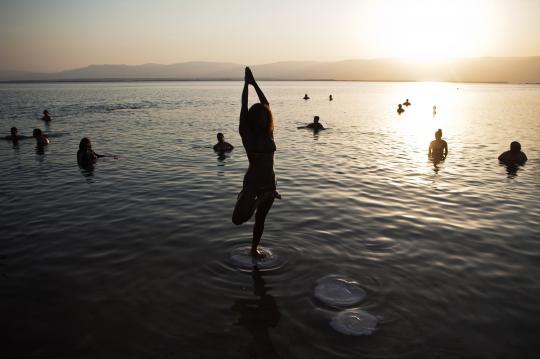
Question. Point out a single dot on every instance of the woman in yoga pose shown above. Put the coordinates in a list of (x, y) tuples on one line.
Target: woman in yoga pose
[(259, 188)]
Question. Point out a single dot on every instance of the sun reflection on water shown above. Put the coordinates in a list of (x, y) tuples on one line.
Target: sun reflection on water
[(419, 121)]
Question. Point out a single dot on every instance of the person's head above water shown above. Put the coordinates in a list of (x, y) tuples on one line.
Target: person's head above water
[(260, 118), (316, 119), (14, 131), (45, 112), (438, 134), (85, 144), (37, 132), (515, 147), (399, 105), (220, 137)]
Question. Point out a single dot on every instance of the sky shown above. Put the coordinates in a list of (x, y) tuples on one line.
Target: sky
[(54, 35)]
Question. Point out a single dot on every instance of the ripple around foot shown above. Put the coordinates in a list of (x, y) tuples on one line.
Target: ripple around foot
[(338, 292), (355, 322), (241, 258)]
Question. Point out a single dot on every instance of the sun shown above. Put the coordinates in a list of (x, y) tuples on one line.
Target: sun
[(434, 29)]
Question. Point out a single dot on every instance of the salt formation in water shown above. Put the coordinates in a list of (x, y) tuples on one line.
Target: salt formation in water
[(355, 322), (241, 257), (338, 292)]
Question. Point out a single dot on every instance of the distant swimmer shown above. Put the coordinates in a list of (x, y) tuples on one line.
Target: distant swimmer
[(41, 138), (330, 98), (315, 125), (438, 149), (514, 157), (85, 155), (15, 137), (407, 103), (222, 146), (400, 109), (306, 97), (434, 110), (259, 187), (46, 116)]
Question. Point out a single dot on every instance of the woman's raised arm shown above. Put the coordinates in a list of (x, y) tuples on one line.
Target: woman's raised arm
[(251, 80), (244, 109)]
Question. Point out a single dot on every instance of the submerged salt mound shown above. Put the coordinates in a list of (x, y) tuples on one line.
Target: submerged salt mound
[(338, 292), (355, 322), (241, 258)]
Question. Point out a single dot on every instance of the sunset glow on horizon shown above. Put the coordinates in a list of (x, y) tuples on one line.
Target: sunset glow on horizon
[(59, 34)]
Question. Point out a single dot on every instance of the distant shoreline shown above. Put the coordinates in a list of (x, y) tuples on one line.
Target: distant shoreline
[(112, 80)]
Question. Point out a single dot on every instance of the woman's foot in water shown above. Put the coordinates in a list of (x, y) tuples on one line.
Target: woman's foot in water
[(255, 253)]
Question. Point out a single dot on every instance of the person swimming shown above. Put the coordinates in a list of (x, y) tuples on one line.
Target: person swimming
[(514, 157), (222, 146), (438, 149), (330, 98), (46, 117), (259, 187), (306, 97), (434, 110), (41, 138), (315, 125), (85, 155), (407, 103), (15, 137), (400, 109)]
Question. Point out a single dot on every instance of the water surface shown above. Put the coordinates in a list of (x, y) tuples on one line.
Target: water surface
[(132, 259)]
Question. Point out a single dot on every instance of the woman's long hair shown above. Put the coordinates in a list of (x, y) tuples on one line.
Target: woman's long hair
[(260, 119)]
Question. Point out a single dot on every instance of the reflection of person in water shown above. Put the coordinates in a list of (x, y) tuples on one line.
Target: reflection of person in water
[(259, 188), (438, 149), (315, 125), (257, 316), (222, 146), (514, 157)]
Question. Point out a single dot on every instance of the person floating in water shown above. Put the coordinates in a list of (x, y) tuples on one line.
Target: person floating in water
[(407, 103), (306, 97), (85, 155), (315, 125), (514, 157), (434, 110), (330, 98), (15, 137), (41, 138), (46, 116), (400, 109), (438, 149), (222, 146), (259, 188)]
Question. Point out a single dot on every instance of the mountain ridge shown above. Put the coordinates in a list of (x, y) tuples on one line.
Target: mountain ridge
[(484, 69)]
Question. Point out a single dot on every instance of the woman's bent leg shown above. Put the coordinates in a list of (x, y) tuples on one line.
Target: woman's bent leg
[(244, 208), (264, 204)]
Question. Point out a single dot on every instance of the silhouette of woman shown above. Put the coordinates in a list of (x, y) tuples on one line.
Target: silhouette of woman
[(259, 187)]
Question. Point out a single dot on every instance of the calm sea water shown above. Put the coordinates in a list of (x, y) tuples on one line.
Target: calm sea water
[(132, 260)]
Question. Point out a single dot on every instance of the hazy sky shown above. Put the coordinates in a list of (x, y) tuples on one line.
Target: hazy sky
[(51, 35)]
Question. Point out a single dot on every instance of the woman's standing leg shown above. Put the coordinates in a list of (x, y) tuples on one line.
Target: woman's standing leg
[(264, 205)]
